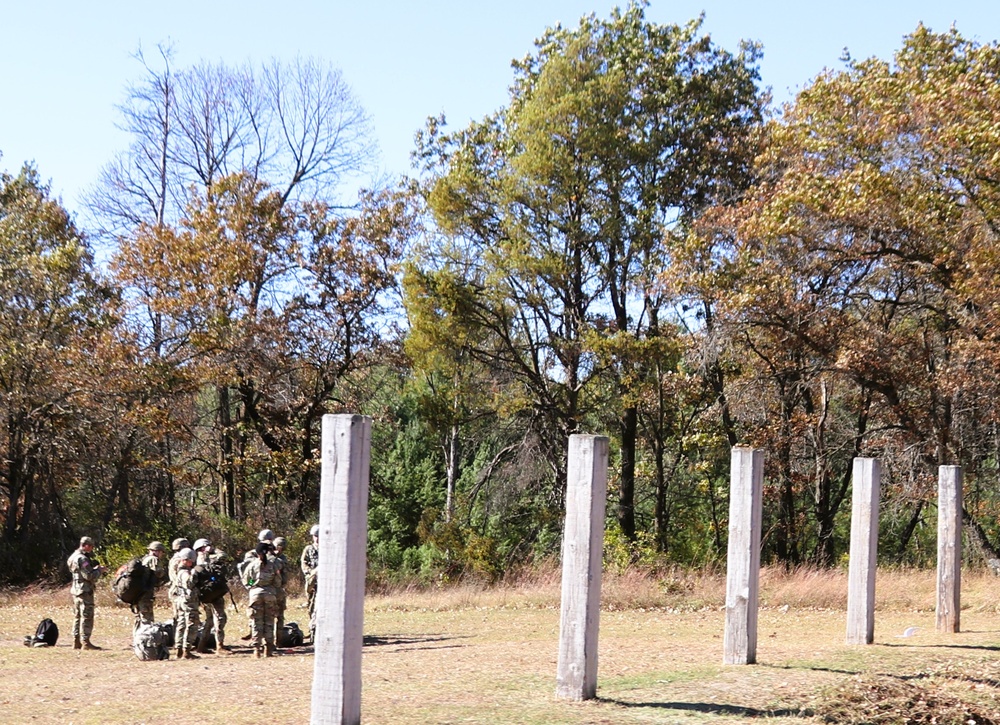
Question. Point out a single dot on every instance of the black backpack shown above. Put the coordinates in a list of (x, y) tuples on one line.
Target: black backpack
[(291, 636), (46, 635), (132, 580), (206, 637), (211, 582)]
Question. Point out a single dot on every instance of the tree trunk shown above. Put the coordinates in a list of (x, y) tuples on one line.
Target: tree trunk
[(626, 495), (227, 480)]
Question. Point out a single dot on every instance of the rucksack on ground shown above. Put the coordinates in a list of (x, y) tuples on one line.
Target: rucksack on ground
[(46, 635), (151, 640), (132, 580), (291, 636), (206, 632), (211, 582)]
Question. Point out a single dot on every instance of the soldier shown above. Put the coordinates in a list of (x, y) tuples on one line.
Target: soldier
[(184, 594), (155, 563), (280, 593), (86, 571), (173, 566), (215, 612), (310, 567), (259, 577)]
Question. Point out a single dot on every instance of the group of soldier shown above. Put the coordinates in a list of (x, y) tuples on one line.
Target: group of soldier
[(263, 571)]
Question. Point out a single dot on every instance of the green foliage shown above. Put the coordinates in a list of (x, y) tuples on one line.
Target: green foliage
[(622, 248)]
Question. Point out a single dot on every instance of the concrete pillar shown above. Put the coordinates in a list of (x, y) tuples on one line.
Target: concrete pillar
[(949, 549), (340, 594), (582, 554), (743, 559), (864, 551)]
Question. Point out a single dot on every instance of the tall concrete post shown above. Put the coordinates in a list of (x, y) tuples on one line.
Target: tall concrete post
[(949, 549), (582, 554), (340, 593), (867, 481), (743, 558)]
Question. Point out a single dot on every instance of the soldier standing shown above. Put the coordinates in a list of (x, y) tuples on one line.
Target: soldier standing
[(155, 563), (86, 571), (310, 567), (173, 566), (184, 594), (259, 577), (215, 612), (280, 593)]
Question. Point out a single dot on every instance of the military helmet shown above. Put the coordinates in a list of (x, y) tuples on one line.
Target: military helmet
[(265, 535), (280, 541), (180, 544), (200, 543), (314, 531), (84, 540), (187, 553), (156, 546)]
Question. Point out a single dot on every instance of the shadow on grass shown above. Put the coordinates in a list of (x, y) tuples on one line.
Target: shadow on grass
[(986, 647), (811, 668), (372, 640), (711, 708)]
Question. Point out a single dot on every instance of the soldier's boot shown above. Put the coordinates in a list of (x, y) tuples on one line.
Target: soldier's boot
[(179, 654), (87, 644), (269, 650), (220, 645), (189, 655), (76, 642), (256, 653)]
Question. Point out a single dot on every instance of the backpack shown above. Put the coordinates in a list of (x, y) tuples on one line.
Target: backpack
[(211, 582), (206, 633), (46, 635), (291, 636), (132, 580), (151, 640)]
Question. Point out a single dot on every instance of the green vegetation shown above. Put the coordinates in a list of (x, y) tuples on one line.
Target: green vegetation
[(636, 244)]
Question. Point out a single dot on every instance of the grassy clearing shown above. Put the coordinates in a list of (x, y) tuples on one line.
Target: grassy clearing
[(474, 654)]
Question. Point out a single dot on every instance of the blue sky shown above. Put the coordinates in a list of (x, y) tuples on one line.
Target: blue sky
[(64, 65)]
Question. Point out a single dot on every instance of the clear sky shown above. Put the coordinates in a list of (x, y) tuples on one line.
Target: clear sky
[(64, 64)]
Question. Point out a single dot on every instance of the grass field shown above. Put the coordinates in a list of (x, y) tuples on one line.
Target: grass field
[(488, 655)]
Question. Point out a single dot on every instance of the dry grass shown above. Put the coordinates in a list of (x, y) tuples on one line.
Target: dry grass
[(478, 654)]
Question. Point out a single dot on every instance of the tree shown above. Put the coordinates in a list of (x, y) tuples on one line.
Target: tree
[(851, 276), (230, 166), (617, 131), (51, 305)]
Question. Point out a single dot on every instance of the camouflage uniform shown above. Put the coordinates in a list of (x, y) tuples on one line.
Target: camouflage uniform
[(184, 595), (215, 612), (280, 593), (157, 565), (86, 571), (310, 566), (259, 577), (172, 568)]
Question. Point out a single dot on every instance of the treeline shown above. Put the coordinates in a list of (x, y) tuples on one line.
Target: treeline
[(636, 244)]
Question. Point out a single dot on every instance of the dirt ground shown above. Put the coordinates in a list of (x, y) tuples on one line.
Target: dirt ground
[(486, 659)]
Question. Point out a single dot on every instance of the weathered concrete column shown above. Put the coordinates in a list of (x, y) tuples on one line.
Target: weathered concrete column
[(582, 554), (949, 549), (743, 558), (340, 593), (864, 551)]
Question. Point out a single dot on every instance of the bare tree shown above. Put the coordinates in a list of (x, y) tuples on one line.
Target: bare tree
[(136, 187), (296, 126)]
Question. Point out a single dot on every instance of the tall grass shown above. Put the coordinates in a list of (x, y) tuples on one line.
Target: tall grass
[(691, 589)]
